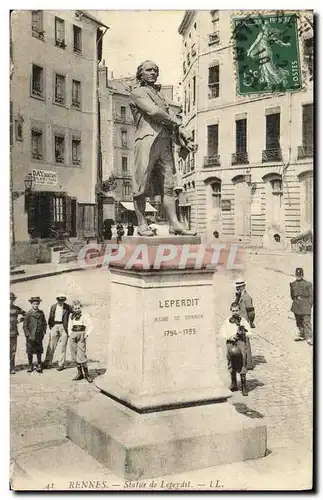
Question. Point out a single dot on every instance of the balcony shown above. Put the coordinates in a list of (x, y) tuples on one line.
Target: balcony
[(76, 161), (123, 119), (37, 33), (269, 155), (125, 174), (37, 90), (305, 151), (59, 99), (212, 161), (193, 50), (240, 158), (213, 38), (60, 43), (76, 103)]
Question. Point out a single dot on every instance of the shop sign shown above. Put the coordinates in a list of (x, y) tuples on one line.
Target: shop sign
[(45, 177)]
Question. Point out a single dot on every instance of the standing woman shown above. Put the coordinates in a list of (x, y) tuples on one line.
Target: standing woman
[(79, 328)]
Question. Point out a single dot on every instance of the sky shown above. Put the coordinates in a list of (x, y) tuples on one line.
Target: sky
[(135, 36)]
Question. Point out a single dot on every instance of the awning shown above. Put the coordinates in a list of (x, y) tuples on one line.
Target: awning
[(128, 205)]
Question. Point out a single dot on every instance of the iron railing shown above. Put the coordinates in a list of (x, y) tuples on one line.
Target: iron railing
[(305, 151), (212, 160), (272, 155), (240, 158)]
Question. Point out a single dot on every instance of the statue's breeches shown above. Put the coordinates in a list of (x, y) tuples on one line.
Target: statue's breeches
[(154, 166)]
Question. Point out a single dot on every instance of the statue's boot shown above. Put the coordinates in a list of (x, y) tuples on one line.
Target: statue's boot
[(145, 231), (181, 231), (175, 227)]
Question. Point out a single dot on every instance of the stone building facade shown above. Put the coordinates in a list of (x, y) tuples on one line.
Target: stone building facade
[(252, 176), (53, 104)]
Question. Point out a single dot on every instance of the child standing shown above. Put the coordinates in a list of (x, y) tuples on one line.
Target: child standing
[(79, 328), (35, 328), (15, 311)]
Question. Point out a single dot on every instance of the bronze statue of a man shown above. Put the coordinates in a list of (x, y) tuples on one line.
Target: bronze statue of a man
[(157, 128)]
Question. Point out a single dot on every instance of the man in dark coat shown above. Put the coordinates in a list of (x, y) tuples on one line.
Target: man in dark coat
[(15, 311), (35, 328), (247, 311), (58, 323), (130, 229), (301, 292)]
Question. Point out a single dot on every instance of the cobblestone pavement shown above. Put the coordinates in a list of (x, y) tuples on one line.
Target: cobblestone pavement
[(280, 385)]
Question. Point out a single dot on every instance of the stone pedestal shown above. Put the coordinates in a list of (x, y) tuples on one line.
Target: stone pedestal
[(162, 406), (162, 346)]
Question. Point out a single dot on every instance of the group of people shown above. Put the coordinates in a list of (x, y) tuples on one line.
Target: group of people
[(237, 329), (65, 323), (107, 230)]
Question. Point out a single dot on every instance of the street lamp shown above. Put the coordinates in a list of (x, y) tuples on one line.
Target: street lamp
[(29, 180)]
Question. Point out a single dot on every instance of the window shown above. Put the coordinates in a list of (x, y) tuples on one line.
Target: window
[(276, 185), (214, 37), (11, 123), (37, 85), (37, 24), (60, 89), (307, 128), (241, 136), (76, 93), (77, 39), (214, 81), (126, 190), (59, 148), (309, 55), (124, 161), (193, 154), (124, 137), (194, 89), (185, 101), (216, 194), (189, 98), (123, 113), (59, 32), (273, 131), (76, 151), (36, 144), (215, 21), (212, 140), (58, 202), (18, 129)]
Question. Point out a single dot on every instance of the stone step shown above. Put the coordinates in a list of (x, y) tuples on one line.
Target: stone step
[(15, 271), (67, 257), (44, 459)]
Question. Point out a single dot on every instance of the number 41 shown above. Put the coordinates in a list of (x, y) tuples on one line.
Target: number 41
[(49, 486)]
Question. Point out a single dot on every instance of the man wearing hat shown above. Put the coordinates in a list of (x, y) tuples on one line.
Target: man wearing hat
[(15, 311), (301, 292), (58, 323), (247, 311), (35, 328)]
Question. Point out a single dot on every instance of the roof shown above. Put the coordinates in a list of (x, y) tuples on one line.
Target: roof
[(188, 16), (92, 18), (121, 85)]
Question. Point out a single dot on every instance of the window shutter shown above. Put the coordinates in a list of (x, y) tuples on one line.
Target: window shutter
[(308, 125), (68, 214), (51, 212)]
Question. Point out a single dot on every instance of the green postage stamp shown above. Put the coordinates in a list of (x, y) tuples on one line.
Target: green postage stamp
[(267, 54)]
